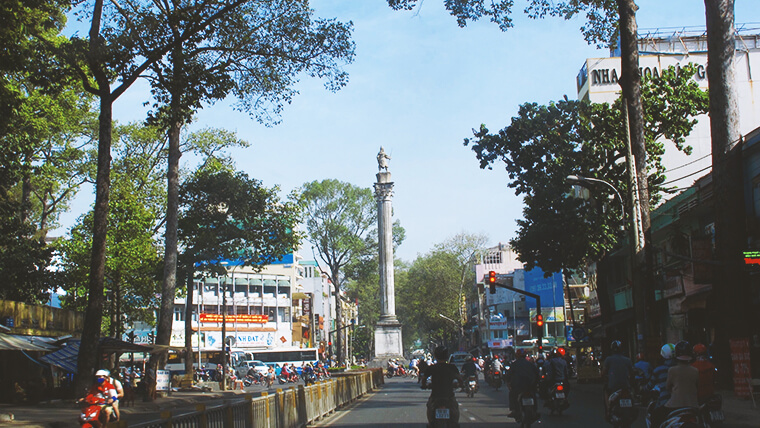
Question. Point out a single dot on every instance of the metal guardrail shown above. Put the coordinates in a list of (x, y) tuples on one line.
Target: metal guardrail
[(294, 407)]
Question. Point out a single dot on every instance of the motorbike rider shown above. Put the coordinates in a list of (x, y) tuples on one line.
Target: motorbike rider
[(557, 368), (706, 369), (682, 381), (643, 368), (617, 373), (522, 379), (469, 368), (658, 382), (442, 376), (392, 367), (104, 389)]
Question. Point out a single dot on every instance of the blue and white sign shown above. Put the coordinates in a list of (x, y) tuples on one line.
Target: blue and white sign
[(551, 289)]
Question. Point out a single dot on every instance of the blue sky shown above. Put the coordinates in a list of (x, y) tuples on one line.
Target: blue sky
[(418, 86)]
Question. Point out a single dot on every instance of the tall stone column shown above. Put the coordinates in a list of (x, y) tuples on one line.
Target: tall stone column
[(383, 195), (388, 342)]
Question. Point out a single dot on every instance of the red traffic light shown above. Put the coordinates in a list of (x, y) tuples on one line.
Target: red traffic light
[(491, 277), (540, 320)]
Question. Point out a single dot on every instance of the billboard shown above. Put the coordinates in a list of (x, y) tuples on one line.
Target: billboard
[(551, 289)]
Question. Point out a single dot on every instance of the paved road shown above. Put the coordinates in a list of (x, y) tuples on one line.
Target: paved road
[(401, 403)]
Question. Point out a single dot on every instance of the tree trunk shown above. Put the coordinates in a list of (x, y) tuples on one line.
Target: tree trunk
[(168, 291), (93, 318), (730, 282), (189, 357), (338, 316), (630, 83)]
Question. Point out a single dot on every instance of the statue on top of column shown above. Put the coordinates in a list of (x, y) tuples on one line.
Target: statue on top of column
[(382, 160)]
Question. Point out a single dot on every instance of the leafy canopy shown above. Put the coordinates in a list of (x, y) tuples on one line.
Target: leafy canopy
[(545, 144)]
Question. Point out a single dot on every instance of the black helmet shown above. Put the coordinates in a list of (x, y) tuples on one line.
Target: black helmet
[(683, 351), (441, 353), (616, 346)]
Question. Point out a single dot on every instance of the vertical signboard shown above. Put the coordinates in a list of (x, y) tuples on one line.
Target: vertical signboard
[(740, 360)]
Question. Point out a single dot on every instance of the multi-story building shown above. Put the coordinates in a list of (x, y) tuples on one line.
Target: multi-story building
[(598, 78), (318, 305), (257, 306), (682, 228)]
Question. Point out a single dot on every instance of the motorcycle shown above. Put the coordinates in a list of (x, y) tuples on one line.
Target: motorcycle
[(712, 411), (309, 378), (685, 417), (527, 410), (472, 385), (91, 415), (557, 399), (621, 410), (496, 379), (443, 414)]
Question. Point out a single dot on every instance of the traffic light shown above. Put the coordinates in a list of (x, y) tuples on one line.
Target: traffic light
[(492, 282), (539, 320)]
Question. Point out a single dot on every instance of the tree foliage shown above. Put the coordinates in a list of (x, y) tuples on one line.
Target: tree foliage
[(545, 144), (133, 251), (339, 218), (226, 215)]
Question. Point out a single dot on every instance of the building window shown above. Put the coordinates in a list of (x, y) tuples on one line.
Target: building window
[(179, 313), (493, 258)]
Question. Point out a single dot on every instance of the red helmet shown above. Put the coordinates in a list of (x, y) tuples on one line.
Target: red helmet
[(561, 351), (700, 349)]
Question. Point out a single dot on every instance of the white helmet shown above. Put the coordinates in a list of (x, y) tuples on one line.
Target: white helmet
[(102, 372), (667, 351)]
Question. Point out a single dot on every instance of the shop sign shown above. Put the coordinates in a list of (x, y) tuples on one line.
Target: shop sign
[(592, 305), (742, 372), (498, 325), (254, 318)]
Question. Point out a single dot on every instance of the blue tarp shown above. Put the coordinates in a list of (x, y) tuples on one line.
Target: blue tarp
[(66, 357)]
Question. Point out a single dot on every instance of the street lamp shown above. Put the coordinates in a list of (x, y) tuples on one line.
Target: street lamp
[(581, 180), (637, 238)]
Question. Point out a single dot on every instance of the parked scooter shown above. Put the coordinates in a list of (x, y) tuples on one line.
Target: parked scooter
[(621, 413), (557, 399)]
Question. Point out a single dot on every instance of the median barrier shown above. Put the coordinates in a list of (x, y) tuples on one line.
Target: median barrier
[(294, 407)]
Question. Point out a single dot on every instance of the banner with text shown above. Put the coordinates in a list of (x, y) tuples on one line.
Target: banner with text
[(256, 318)]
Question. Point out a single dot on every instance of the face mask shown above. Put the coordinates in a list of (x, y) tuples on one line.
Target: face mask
[(101, 380)]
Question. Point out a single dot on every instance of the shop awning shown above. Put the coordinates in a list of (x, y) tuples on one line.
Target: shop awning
[(12, 342), (66, 357), (300, 296)]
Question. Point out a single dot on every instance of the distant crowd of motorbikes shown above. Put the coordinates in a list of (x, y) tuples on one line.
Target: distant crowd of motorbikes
[(624, 404), (308, 373)]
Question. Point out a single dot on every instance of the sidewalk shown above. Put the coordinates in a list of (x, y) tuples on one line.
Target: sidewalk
[(64, 413), (739, 412)]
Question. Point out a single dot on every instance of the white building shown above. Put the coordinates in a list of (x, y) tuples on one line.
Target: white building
[(597, 82), (318, 287), (259, 307)]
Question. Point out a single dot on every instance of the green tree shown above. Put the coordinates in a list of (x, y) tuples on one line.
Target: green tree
[(124, 40), (545, 144), (256, 56), (430, 289), (339, 217), (133, 259), (226, 215)]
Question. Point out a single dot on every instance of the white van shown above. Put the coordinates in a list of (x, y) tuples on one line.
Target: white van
[(458, 359)]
